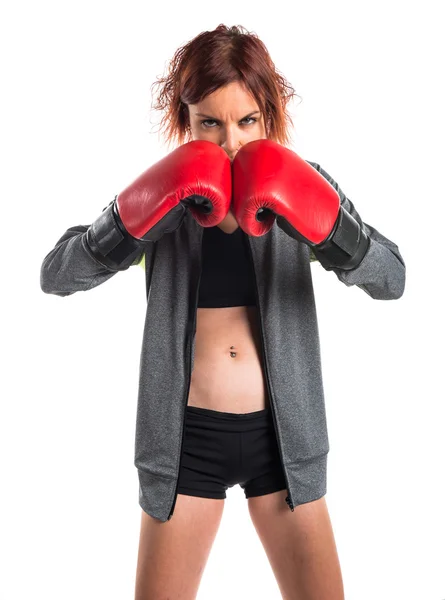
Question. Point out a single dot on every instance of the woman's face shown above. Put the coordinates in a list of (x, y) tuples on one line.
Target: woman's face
[(225, 118)]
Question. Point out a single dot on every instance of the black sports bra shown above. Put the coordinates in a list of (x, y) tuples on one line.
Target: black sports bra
[(227, 277)]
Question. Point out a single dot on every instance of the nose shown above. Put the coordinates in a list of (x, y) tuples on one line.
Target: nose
[(231, 144)]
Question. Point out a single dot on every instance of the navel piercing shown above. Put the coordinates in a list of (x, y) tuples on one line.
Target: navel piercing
[(232, 354)]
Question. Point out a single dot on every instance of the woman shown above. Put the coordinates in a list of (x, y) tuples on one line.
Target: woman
[(230, 376)]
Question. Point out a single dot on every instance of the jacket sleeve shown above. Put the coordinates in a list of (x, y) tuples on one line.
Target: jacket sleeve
[(381, 273), (71, 266)]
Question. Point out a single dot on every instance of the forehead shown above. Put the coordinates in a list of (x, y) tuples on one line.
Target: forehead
[(232, 100)]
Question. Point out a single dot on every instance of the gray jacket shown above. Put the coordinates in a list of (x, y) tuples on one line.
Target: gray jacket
[(289, 335)]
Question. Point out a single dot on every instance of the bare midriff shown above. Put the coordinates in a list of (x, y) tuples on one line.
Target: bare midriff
[(227, 373)]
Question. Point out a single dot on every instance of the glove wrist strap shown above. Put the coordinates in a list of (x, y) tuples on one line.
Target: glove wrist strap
[(110, 243), (346, 245)]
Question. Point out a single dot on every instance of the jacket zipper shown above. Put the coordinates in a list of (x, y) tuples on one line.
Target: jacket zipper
[(188, 388), (288, 498)]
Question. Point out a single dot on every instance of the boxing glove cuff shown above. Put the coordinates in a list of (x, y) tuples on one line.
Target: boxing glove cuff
[(346, 245), (110, 243)]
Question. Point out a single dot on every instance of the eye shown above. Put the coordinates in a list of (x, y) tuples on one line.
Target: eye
[(250, 119), (207, 121), (203, 123)]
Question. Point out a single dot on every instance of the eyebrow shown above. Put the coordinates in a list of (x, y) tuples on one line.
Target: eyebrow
[(213, 118)]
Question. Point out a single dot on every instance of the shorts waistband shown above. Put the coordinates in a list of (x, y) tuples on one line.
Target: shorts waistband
[(216, 414), (215, 419)]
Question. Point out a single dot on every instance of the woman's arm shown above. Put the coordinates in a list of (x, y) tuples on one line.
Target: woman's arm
[(381, 274), (71, 266)]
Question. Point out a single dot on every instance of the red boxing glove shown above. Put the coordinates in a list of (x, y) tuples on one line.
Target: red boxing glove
[(195, 176), (267, 176)]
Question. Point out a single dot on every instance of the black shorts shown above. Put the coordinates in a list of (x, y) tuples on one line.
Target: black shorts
[(223, 449)]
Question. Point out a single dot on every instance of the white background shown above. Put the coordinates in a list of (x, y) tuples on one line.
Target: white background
[(76, 128)]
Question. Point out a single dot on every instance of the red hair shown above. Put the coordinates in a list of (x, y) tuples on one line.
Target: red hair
[(212, 60)]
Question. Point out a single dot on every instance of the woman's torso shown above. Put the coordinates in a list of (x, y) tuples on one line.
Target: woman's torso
[(224, 378)]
